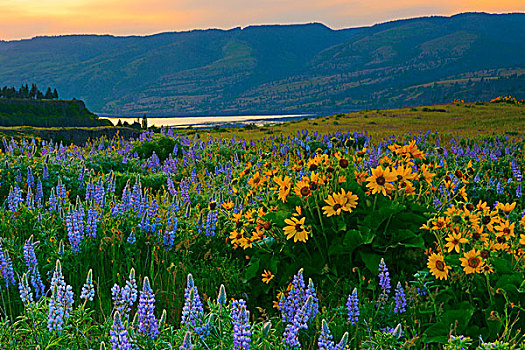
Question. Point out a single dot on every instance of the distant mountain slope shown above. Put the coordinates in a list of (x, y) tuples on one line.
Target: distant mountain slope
[(280, 68)]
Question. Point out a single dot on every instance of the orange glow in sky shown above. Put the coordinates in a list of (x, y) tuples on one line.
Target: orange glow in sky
[(28, 18)]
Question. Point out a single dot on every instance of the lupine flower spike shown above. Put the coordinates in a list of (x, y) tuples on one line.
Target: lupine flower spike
[(147, 321), (186, 343), (119, 335), (88, 290)]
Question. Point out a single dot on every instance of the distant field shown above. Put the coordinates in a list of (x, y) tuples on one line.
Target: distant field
[(470, 120)]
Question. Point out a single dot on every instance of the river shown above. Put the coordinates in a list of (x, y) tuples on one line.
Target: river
[(211, 121)]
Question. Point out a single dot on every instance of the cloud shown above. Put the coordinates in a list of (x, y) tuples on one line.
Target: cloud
[(27, 18)]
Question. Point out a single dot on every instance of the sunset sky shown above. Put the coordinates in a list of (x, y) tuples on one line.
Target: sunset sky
[(28, 18)]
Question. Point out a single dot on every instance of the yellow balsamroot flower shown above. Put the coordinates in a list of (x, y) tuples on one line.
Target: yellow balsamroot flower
[(437, 266), (409, 189), (267, 276), (380, 180), (344, 201), (235, 236), (284, 186), (441, 223), (453, 241), (360, 177), (522, 221), (505, 228), (463, 193), (522, 239), (302, 188), (335, 205), (227, 205), (472, 262), (487, 268), (426, 175), (404, 173), (351, 200), (296, 229), (257, 180), (506, 208)]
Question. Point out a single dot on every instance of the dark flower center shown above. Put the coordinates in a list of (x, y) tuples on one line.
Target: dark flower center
[(298, 228), (380, 180), (305, 191), (343, 163), (474, 262), (337, 206), (486, 220), (501, 239), (440, 265), (485, 254)]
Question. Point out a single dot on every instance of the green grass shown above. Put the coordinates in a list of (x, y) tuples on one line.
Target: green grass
[(465, 120)]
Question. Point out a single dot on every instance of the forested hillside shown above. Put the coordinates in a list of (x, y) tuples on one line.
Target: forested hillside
[(281, 68)]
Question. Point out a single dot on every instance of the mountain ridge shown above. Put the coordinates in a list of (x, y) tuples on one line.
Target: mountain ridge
[(268, 69)]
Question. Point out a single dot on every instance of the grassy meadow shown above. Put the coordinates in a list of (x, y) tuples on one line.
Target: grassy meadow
[(390, 229), (470, 120)]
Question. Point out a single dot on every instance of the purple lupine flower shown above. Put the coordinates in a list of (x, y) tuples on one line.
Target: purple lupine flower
[(136, 196), (131, 238), (52, 201), (119, 335), (186, 343), (61, 301), (291, 332), (6, 267), (221, 298), (241, 325), (343, 342), (32, 267), (88, 290), (30, 177), (325, 341), (192, 310), (353, 307), (39, 194), (292, 303), (147, 321), (61, 192), (171, 187), (25, 290), (125, 297), (81, 174), (310, 291), (14, 198), (45, 172), (384, 282), (73, 229), (92, 220), (168, 237), (400, 299)]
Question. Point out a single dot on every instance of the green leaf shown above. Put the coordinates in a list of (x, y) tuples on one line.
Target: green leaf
[(457, 317), (251, 270)]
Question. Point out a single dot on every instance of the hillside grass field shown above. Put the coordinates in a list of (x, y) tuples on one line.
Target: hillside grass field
[(470, 120)]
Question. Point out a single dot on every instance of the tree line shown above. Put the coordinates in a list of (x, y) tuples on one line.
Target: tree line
[(25, 92)]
